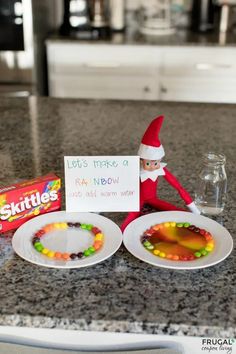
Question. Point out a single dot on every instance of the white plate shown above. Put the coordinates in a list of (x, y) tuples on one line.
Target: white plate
[(67, 240), (133, 232)]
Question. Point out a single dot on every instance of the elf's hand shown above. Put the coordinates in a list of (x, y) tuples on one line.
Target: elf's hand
[(193, 208)]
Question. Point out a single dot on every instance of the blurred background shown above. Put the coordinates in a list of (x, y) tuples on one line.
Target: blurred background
[(177, 50)]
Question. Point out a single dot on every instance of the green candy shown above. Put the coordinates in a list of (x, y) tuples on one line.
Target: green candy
[(89, 227), (37, 244), (91, 249), (147, 243), (39, 247), (84, 226), (204, 252), (87, 253), (186, 224), (197, 254), (179, 225), (151, 247)]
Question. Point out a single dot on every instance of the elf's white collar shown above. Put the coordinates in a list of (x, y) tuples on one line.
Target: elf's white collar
[(144, 175)]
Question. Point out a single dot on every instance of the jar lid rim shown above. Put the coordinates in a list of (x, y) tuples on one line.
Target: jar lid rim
[(214, 157)]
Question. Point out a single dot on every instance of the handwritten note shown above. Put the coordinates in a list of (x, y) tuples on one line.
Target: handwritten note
[(102, 183)]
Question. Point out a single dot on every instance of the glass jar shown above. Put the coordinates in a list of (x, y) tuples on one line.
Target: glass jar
[(156, 18), (210, 193)]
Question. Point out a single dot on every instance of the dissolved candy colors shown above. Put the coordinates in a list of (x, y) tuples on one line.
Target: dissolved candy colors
[(97, 242), (178, 241)]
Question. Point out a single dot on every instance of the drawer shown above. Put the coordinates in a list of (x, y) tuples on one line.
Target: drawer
[(194, 89), (199, 62), (75, 54)]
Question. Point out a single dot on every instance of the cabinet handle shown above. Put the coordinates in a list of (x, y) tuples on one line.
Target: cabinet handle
[(102, 65), (208, 66), (163, 89), (146, 89)]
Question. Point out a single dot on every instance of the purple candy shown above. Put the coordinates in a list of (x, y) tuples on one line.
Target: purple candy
[(73, 256)]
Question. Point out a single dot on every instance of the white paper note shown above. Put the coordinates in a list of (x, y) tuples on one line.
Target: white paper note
[(102, 183)]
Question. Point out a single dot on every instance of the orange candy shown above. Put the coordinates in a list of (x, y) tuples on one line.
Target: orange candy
[(58, 255), (208, 237), (97, 245), (156, 227), (48, 228), (66, 256), (176, 258), (169, 256)]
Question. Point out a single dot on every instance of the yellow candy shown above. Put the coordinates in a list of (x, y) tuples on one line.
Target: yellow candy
[(63, 225), (51, 254), (57, 225), (209, 248), (162, 254), (98, 237), (173, 224), (45, 251), (36, 212), (167, 224), (210, 244), (156, 252)]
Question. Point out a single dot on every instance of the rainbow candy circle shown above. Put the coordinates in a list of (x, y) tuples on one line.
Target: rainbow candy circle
[(147, 241), (39, 247)]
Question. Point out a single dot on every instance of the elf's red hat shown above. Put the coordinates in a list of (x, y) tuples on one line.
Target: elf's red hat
[(151, 148)]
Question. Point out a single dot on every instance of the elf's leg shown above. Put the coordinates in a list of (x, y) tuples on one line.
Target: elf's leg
[(130, 217), (162, 205)]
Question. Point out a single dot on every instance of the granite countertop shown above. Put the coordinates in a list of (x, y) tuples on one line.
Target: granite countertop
[(121, 293)]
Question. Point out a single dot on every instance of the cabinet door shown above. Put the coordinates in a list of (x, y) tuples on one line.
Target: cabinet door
[(199, 75), (192, 89), (125, 83)]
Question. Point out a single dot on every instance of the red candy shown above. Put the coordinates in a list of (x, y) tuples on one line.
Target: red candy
[(96, 230), (40, 233), (191, 258), (149, 232), (208, 236)]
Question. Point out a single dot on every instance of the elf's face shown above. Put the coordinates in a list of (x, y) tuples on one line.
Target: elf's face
[(150, 165)]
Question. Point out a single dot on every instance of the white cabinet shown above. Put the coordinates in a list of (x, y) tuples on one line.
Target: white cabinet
[(197, 74), (123, 82), (102, 71)]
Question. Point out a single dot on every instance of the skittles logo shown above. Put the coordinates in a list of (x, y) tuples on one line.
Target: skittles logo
[(29, 202)]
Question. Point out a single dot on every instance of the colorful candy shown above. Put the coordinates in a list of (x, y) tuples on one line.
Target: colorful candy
[(97, 244), (177, 241)]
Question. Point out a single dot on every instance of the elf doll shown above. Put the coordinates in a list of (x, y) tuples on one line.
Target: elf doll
[(151, 153)]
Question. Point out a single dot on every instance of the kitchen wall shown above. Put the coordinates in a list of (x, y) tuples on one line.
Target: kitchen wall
[(180, 7), (184, 66), (134, 4)]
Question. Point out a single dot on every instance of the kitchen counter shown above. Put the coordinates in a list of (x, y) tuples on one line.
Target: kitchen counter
[(180, 38), (122, 293)]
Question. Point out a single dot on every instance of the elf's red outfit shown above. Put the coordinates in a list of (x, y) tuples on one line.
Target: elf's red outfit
[(151, 150)]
